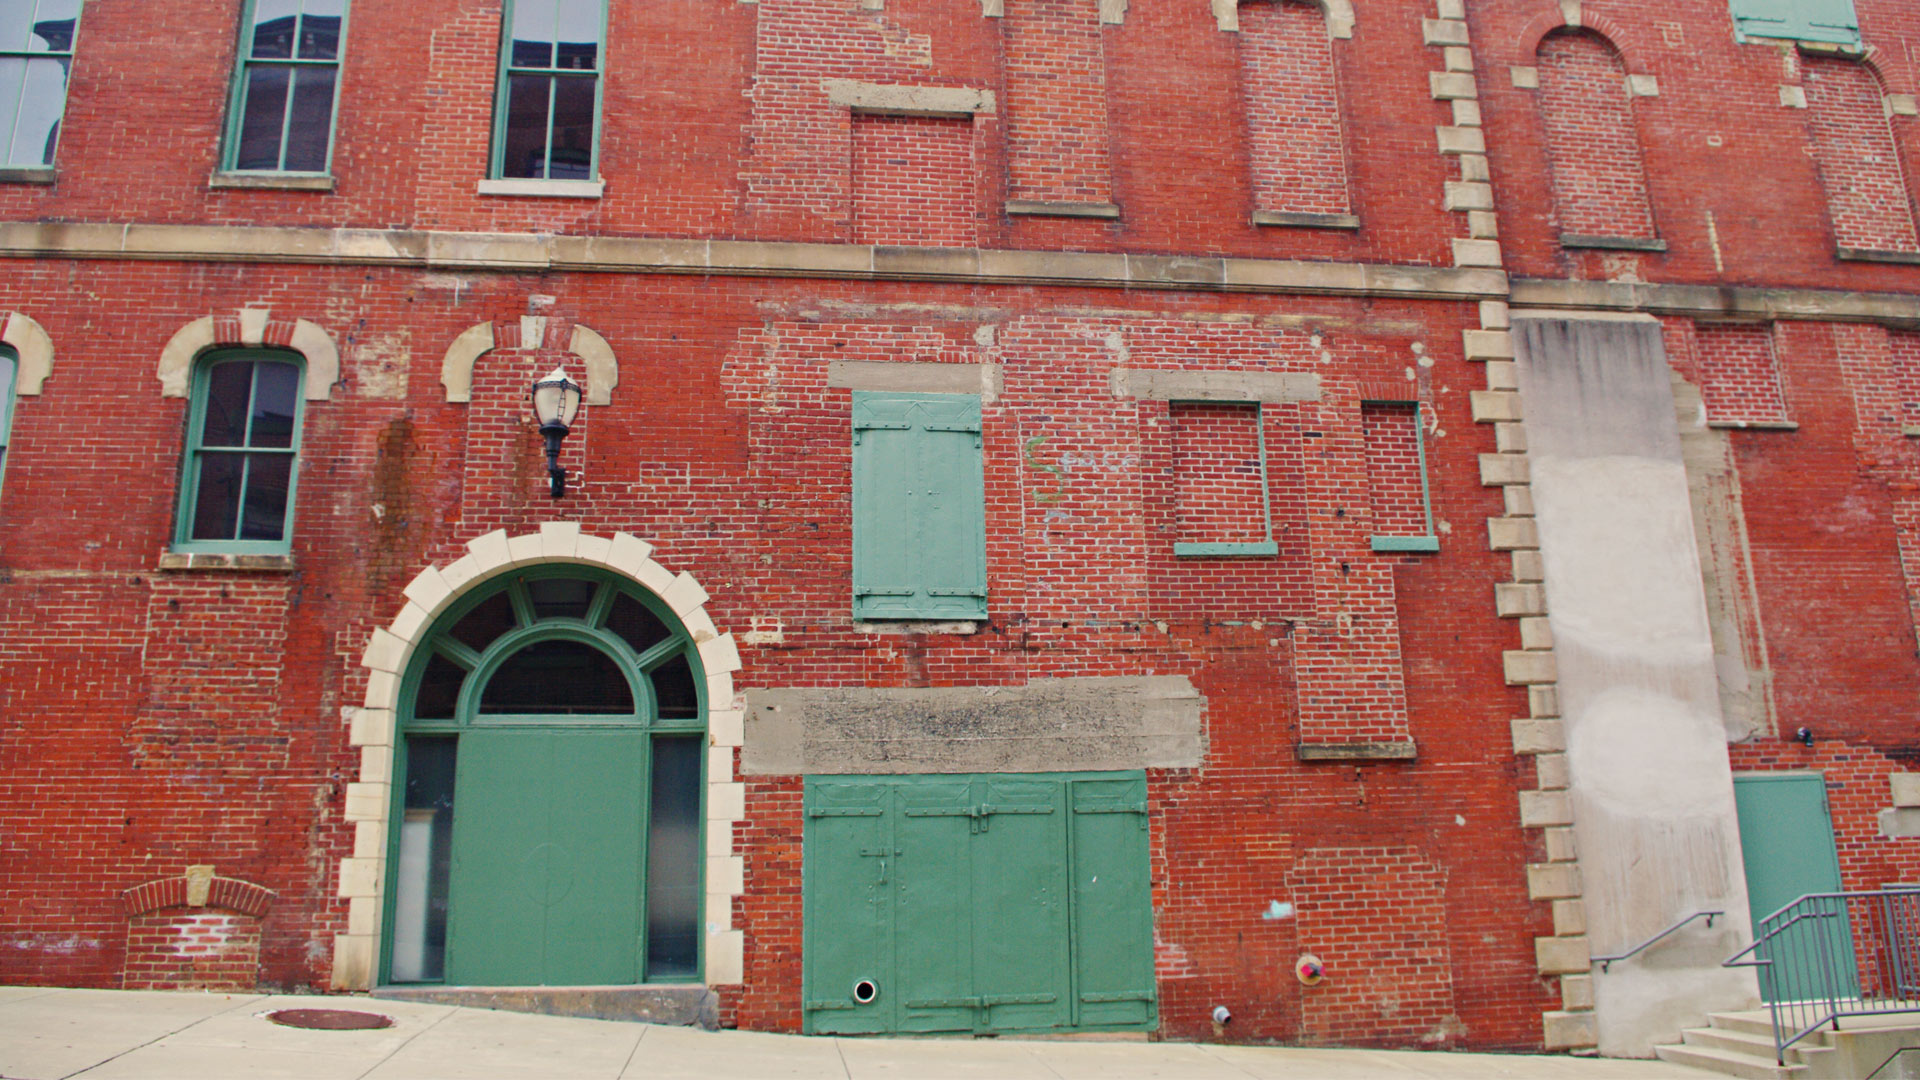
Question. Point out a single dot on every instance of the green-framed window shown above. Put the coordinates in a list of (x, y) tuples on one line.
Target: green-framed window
[(919, 507), (547, 817), (286, 86), (1396, 445), (36, 55), (547, 109), (1831, 21), (9, 370), (243, 449)]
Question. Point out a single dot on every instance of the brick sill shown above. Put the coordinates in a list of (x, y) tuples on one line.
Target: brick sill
[(1396, 750), (1755, 425), (217, 560), (1847, 254), (1037, 208), (1296, 220), (1578, 241), (43, 176), (269, 182)]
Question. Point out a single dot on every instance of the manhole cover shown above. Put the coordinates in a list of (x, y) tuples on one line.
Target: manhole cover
[(330, 1019)]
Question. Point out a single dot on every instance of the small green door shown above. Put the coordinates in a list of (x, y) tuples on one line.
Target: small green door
[(1112, 916), (548, 862), (1786, 840), (1014, 902)]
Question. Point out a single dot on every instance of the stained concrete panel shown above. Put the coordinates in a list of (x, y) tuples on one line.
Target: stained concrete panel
[(1652, 792), (1048, 725)]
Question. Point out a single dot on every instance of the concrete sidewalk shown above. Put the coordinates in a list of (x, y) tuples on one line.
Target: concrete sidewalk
[(49, 1034)]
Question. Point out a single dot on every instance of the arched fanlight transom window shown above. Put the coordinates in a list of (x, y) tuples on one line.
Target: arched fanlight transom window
[(550, 773)]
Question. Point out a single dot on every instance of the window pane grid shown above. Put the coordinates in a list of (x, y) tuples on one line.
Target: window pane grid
[(549, 90), (243, 451), (286, 87), (36, 55)]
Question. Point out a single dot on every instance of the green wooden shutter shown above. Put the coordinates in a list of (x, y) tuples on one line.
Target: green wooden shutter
[(1798, 20), (919, 507)]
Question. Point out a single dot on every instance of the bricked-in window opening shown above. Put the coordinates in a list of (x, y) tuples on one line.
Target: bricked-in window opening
[(1905, 347), (192, 949), (1593, 146), (1868, 198), (1740, 376), (1219, 453), (1292, 97), (243, 450), (547, 111), (1056, 105), (1397, 477), (914, 180), (285, 87), (36, 52)]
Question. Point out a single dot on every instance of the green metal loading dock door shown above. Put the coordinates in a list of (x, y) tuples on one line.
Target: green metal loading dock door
[(992, 903)]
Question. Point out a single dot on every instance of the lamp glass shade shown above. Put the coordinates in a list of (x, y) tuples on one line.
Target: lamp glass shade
[(556, 399)]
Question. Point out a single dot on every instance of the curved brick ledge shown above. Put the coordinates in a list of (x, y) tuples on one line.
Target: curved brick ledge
[(233, 894)]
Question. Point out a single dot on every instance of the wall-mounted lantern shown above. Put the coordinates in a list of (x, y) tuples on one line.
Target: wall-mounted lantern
[(556, 399)]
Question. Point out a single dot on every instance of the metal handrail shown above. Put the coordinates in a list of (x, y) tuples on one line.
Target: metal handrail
[(1865, 961), (1607, 961)]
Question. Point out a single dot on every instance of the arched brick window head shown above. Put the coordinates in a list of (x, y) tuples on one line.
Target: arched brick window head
[(1297, 145), (1868, 197), (1599, 181)]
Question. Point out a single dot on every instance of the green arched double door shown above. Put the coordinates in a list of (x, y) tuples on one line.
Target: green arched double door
[(547, 818)]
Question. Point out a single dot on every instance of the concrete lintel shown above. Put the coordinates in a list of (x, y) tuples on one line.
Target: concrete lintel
[(907, 100), (1046, 724), (1158, 385), (907, 376)]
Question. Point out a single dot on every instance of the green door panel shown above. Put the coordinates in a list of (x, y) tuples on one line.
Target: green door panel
[(978, 903), (1113, 908), (1020, 914), (1799, 20), (1786, 840), (848, 870), (545, 883), (933, 901)]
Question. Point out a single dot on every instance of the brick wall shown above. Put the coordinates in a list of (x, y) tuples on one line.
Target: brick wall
[(1293, 104), (1599, 185), (1904, 350), (1869, 199), (1390, 987)]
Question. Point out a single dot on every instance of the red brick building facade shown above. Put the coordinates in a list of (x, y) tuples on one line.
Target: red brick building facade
[(1245, 317)]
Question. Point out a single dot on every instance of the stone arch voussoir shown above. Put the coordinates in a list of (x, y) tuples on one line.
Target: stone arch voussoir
[(32, 346), (529, 331), (256, 327)]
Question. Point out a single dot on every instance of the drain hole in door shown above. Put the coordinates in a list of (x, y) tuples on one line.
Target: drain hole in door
[(865, 991)]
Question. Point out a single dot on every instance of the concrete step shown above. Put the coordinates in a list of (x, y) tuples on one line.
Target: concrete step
[(1730, 1063), (1750, 1021), (683, 1005), (1736, 1042)]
